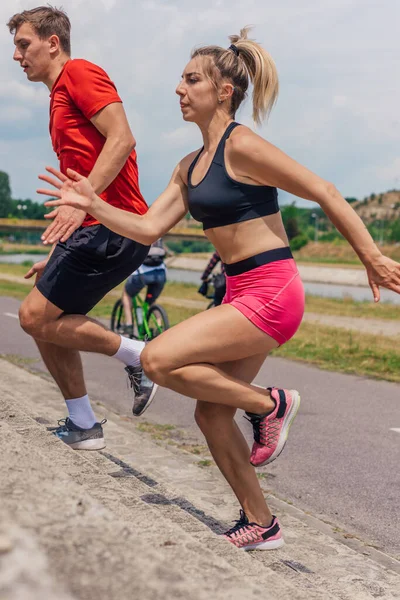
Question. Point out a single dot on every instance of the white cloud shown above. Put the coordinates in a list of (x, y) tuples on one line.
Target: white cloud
[(15, 113), (181, 137), (20, 92), (338, 64), (390, 172), (339, 101)]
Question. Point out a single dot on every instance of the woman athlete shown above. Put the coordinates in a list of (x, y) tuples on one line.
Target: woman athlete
[(230, 186)]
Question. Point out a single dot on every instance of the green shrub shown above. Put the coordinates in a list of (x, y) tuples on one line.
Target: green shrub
[(298, 242)]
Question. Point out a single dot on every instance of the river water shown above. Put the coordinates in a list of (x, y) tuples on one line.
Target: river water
[(183, 275)]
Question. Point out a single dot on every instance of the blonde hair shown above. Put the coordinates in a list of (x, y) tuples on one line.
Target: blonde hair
[(246, 61), (46, 21)]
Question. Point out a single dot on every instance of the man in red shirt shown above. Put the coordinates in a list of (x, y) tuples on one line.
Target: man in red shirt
[(90, 133)]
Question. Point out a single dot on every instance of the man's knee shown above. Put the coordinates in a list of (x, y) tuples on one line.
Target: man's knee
[(30, 319)]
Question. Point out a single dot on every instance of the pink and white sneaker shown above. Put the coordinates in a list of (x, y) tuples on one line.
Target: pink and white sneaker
[(271, 430), (251, 536)]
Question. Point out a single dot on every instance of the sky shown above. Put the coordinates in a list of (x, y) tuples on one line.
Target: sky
[(338, 63)]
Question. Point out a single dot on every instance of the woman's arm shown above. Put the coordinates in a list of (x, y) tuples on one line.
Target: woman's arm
[(251, 156), (76, 190)]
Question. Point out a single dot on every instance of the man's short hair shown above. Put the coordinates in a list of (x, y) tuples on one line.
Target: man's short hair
[(46, 21)]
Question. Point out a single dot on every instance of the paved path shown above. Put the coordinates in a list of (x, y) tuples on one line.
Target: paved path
[(342, 460)]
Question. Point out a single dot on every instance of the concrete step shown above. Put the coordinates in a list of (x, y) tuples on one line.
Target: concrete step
[(100, 540), (311, 565), (102, 533), (24, 568)]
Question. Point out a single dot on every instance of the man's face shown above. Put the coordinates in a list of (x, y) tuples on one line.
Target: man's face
[(32, 53)]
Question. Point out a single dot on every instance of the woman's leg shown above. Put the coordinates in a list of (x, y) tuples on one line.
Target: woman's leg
[(187, 359), (229, 447)]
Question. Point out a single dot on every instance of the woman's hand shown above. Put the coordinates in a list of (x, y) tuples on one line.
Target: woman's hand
[(383, 272), (72, 190)]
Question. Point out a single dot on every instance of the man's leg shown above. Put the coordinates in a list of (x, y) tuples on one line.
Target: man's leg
[(45, 322), (65, 366), (78, 275)]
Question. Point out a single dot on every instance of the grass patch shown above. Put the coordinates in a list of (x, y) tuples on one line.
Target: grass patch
[(19, 361), (351, 308), (174, 436), (157, 432), (11, 269), (13, 290), (338, 252), (336, 349), (194, 448), (205, 463), (14, 248), (327, 260), (186, 291), (177, 314)]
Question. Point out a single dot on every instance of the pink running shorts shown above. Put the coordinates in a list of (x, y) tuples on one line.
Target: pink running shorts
[(270, 295)]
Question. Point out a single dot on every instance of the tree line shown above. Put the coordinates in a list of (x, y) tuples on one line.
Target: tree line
[(302, 224), (17, 208)]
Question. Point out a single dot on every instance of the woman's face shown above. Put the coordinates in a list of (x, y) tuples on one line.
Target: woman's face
[(198, 96)]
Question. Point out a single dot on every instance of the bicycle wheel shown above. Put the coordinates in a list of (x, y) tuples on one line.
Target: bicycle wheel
[(157, 320), (118, 321)]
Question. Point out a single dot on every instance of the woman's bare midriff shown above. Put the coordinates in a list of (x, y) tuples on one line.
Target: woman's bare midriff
[(241, 240)]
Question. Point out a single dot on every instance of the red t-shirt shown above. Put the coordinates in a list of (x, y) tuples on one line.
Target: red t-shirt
[(79, 92)]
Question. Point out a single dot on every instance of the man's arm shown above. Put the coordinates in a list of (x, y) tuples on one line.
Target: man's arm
[(112, 123), (96, 96)]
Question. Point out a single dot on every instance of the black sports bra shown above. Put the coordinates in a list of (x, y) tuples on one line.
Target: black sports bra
[(220, 200)]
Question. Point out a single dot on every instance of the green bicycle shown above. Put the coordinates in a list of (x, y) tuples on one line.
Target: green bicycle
[(149, 320)]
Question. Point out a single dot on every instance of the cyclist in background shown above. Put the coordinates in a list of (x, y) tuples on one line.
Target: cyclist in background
[(218, 280), (153, 273)]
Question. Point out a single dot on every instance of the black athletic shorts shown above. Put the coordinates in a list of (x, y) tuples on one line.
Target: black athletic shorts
[(82, 270)]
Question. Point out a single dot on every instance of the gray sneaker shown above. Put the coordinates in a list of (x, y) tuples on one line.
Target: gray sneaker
[(81, 439), (144, 390)]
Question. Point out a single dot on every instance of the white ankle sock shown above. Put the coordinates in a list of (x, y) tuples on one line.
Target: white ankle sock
[(80, 412), (129, 351)]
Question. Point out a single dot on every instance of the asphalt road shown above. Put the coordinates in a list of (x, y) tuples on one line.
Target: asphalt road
[(342, 460)]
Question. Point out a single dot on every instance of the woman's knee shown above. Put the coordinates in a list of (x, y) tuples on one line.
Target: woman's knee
[(154, 362)]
